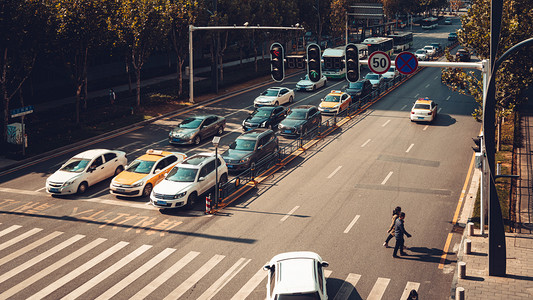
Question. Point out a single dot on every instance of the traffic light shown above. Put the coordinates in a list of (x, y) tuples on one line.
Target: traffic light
[(352, 63), (314, 64), (277, 66)]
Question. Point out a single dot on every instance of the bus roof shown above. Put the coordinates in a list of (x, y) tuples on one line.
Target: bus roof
[(376, 40), (399, 34), (335, 52)]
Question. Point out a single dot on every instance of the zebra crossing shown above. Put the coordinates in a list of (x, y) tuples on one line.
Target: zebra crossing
[(138, 262)]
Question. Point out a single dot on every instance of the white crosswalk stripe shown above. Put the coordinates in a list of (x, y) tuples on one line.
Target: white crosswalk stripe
[(379, 289), (161, 264), (189, 282), (78, 271)]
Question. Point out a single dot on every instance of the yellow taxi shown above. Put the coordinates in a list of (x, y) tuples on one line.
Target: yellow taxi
[(144, 173), (335, 102), (424, 110)]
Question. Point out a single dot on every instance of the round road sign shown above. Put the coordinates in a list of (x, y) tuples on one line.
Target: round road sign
[(406, 63), (379, 62)]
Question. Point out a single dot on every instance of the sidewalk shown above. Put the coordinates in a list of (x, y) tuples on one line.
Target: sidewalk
[(518, 282)]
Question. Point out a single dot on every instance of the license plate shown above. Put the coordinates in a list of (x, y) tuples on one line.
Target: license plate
[(176, 140), (420, 118), (121, 190), (230, 166), (161, 202), (287, 131), (54, 190)]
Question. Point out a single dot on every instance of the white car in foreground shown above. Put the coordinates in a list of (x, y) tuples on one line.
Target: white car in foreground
[(296, 275), (423, 110), (84, 170), (274, 96), (422, 54), (307, 85), (431, 50), (188, 180)]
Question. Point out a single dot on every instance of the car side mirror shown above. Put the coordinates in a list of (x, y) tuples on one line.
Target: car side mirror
[(91, 168), (157, 171), (325, 264), (266, 267), (201, 179)]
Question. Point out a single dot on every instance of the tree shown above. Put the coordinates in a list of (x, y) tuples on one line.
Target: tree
[(23, 26), (140, 25), (81, 25)]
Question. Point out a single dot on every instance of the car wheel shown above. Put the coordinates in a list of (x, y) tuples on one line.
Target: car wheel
[(291, 99), (147, 190), (118, 170), (314, 88), (197, 140), (220, 130), (223, 178), (191, 200), (82, 187)]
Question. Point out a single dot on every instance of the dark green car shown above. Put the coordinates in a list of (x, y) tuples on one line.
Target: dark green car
[(250, 147)]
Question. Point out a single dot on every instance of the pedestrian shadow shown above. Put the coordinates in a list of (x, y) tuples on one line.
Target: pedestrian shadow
[(478, 254), (425, 254), (474, 278), (341, 289)]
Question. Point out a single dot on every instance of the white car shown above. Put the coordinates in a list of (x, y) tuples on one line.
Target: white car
[(421, 54), (375, 79), (431, 50), (307, 85), (296, 275), (274, 96), (188, 180), (84, 170), (423, 110), (391, 73)]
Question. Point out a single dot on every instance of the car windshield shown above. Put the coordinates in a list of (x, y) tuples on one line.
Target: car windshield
[(261, 113), (299, 296), (372, 76), (331, 98), (271, 93), (76, 165), (420, 52), (421, 106), (356, 85), (243, 145), (297, 115), (190, 123), (428, 47), (140, 166), (178, 174), (391, 70)]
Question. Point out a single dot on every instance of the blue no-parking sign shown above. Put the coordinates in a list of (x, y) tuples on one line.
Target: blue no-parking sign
[(406, 63)]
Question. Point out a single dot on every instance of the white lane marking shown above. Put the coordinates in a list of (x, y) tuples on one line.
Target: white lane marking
[(194, 278), (347, 287), (10, 229), (438, 110), (403, 107), (169, 273), (289, 213), (30, 281), (127, 145), (18, 191), (250, 285), (425, 127), (327, 273), (30, 247), (334, 172), (351, 224), (136, 274), (385, 124), (40, 189), (427, 85), (40, 257), (408, 287), (379, 289), (77, 272), (224, 279), (437, 77), (416, 96), (448, 98), (364, 144), (386, 178), (106, 273), (409, 149), (145, 205)]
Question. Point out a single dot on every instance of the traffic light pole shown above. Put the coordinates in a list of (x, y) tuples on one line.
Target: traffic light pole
[(191, 56)]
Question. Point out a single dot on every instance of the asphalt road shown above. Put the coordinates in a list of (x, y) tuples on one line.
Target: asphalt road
[(336, 200)]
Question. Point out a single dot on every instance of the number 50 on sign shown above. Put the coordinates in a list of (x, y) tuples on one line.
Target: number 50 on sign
[(379, 62)]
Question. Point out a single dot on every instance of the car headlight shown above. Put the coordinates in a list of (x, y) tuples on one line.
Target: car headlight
[(245, 160), (180, 195), (138, 183), (70, 181), (264, 124), (336, 106)]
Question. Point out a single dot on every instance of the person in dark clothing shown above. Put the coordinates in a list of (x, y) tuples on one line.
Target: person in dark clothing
[(390, 232), (399, 232)]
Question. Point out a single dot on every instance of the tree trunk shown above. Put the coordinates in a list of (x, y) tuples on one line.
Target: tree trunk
[(128, 72), (78, 96), (138, 75), (499, 136), (179, 67)]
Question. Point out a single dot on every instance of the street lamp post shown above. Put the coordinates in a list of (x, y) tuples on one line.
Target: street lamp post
[(216, 142)]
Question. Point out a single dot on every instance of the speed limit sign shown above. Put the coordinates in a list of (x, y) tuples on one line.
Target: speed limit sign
[(379, 62)]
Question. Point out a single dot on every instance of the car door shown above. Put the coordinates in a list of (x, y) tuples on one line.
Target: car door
[(277, 115), (208, 128), (207, 172), (283, 96), (110, 164), (313, 117), (96, 171)]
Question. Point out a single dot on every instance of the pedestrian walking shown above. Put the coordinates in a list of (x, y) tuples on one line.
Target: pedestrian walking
[(413, 295), (390, 232), (399, 232), (112, 96)]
